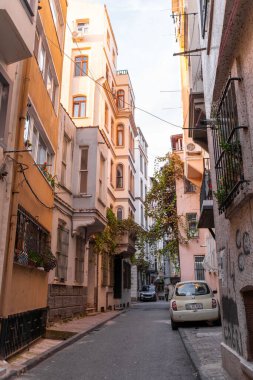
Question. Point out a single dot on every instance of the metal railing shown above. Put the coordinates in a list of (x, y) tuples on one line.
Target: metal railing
[(227, 148), (206, 186), (19, 330)]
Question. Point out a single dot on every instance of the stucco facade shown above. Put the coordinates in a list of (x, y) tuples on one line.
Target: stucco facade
[(33, 153), (100, 101), (225, 31)]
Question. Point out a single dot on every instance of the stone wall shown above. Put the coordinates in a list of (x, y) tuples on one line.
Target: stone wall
[(65, 301)]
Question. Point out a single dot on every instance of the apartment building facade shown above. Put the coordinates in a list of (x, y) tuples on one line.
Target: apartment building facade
[(33, 142), (100, 101), (141, 188), (194, 194), (225, 30), (228, 95)]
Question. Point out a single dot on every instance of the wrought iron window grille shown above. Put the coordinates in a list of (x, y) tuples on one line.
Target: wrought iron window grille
[(227, 148), (32, 244)]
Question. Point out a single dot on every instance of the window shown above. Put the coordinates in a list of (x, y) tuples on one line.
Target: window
[(81, 65), (42, 59), (112, 130), (121, 99), (46, 66), (29, 6), (32, 243), (79, 106), (50, 85), (101, 177), (108, 39), (227, 148), (189, 187), (203, 16), (106, 116), (146, 192), (141, 162), (142, 216), (62, 252), (84, 170), (199, 270), (145, 169), (114, 57), (54, 12), (4, 96), (107, 73), (141, 189), (79, 260), (192, 224), (131, 182), (83, 27), (111, 173), (120, 135), (119, 176), (64, 160), (120, 213), (111, 271)]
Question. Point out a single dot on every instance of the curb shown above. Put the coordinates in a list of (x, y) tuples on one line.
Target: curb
[(45, 355), (192, 355)]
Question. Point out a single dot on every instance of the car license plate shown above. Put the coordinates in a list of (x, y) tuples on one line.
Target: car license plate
[(194, 306)]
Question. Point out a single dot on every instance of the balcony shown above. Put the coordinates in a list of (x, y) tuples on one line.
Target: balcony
[(126, 245), (196, 114), (206, 219), (17, 25), (227, 148)]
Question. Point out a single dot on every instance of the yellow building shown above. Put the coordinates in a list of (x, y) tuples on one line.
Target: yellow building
[(29, 258)]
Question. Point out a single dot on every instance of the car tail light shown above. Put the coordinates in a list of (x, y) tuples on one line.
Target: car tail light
[(174, 305), (214, 303)]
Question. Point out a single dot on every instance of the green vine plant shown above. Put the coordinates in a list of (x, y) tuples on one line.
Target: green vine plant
[(108, 240), (160, 206)]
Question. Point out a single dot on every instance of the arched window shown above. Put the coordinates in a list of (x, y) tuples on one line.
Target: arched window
[(120, 135), (121, 99), (81, 65), (120, 213), (119, 176), (79, 106)]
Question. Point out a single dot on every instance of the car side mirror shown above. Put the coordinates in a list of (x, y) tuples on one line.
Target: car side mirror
[(215, 291)]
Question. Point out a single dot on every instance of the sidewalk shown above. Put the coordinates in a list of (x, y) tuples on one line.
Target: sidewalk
[(58, 336), (203, 347)]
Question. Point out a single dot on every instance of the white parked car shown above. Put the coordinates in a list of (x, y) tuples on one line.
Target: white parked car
[(193, 301)]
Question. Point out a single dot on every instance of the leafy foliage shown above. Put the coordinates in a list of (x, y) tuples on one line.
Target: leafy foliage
[(109, 239), (161, 206)]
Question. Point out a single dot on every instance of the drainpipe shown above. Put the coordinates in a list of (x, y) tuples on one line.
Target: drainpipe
[(8, 254)]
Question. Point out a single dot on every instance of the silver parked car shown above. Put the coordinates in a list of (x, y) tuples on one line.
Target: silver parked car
[(148, 293)]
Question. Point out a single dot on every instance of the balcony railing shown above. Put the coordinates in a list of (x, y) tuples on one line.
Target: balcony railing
[(122, 72), (227, 148), (206, 219), (206, 186)]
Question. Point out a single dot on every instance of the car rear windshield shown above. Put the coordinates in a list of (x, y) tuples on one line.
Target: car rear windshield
[(147, 288), (192, 289)]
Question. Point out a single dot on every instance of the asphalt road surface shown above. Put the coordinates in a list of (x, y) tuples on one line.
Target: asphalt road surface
[(137, 345)]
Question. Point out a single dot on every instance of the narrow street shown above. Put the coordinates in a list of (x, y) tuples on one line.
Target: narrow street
[(139, 344)]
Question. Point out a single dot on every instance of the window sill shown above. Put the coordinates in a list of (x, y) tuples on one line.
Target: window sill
[(79, 117), (83, 196)]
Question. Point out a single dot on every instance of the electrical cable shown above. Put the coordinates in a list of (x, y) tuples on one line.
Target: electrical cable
[(101, 85)]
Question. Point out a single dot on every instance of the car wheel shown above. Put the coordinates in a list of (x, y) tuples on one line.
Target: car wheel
[(174, 325)]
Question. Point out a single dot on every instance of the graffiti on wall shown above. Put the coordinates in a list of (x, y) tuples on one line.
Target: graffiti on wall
[(232, 334), (243, 245)]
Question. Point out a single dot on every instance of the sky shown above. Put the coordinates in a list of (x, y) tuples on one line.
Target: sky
[(145, 36)]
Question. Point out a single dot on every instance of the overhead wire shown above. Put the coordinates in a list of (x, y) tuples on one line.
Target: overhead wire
[(109, 91)]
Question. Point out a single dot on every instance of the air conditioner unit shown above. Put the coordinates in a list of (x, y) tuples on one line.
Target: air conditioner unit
[(193, 148)]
